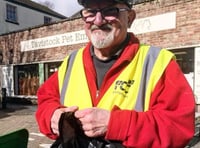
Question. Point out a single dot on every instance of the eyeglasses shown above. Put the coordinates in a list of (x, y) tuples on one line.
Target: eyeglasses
[(108, 13)]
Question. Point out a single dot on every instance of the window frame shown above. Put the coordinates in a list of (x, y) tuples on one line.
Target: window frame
[(11, 13), (47, 19)]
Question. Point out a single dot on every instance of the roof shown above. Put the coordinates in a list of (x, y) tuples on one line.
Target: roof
[(76, 15), (38, 7), (135, 2)]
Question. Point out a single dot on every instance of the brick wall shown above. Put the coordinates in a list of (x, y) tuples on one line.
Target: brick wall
[(12, 42), (186, 33)]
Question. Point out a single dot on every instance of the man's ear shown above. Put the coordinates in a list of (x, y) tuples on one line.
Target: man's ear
[(131, 17)]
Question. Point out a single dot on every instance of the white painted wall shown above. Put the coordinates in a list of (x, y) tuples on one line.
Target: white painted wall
[(197, 75), (26, 18)]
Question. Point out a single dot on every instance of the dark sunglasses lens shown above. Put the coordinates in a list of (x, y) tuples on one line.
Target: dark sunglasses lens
[(88, 12), (110, 12)]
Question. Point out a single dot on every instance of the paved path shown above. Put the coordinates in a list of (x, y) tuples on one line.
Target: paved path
[(18, 116)]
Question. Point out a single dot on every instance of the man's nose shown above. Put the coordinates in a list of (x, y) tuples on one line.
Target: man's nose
[(99, 20)]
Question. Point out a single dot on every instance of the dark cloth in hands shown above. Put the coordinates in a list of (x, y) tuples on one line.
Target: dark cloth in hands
[(72, 135)]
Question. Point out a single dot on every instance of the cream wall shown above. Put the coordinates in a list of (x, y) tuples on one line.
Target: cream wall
[(27, 17)]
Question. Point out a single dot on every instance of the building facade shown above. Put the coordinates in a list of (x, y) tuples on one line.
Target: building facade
[(29, 57), (19, 14)]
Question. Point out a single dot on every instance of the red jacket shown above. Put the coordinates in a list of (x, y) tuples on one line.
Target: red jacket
[(169, 122)]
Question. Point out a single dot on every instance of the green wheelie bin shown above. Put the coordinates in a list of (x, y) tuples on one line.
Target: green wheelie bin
[(16, 139)]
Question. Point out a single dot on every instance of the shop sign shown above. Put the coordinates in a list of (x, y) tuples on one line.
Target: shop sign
[(69, 38), (197, 75), (154, 23), (144, 25)]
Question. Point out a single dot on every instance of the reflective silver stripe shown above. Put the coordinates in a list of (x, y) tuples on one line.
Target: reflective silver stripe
[(146, 72), (67, 75)]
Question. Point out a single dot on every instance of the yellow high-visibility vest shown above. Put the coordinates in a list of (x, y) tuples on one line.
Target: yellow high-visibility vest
[(131, 89)]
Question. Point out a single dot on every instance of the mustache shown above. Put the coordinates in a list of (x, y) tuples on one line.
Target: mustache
[(102, 27)]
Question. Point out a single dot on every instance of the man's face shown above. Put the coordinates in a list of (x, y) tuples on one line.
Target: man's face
[(106, 25)]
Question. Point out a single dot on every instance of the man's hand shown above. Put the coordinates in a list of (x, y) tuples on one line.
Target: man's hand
[(56, 117), (94, 121)]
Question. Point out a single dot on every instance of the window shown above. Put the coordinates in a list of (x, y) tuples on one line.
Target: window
[(11, 13), (50, 68), (47, 20), (26, 79), (185, 59)]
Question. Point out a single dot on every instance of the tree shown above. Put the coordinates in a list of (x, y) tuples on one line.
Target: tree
[(48, 4)]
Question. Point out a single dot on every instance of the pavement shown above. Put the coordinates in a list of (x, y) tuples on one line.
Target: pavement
[(17, 116)]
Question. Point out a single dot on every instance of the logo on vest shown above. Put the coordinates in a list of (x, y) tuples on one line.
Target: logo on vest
[(122, 87)]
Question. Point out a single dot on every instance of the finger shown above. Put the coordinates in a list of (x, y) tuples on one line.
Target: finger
[(55, 119), (55, 129), (94, 133), (82, 113), (88, 127)]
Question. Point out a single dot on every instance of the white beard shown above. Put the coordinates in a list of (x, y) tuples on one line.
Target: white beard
[(101, 39)]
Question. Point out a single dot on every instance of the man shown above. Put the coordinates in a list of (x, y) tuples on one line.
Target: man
[(119, 89)]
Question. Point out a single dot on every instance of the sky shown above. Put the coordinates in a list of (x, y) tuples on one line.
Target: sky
[(64, 7)]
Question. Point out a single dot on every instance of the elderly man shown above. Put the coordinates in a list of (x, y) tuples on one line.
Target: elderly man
[(122, 92)]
